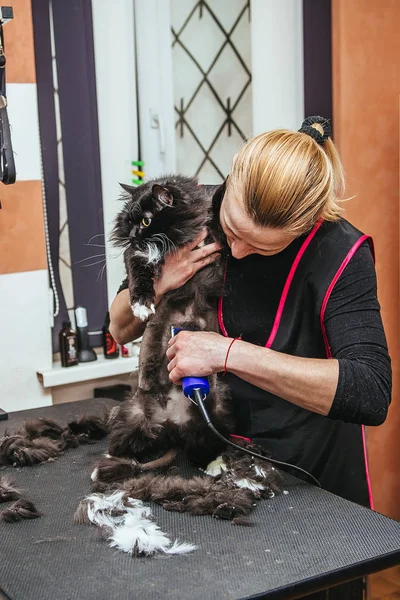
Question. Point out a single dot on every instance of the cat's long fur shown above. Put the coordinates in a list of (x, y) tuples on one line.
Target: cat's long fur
[(159, 418)]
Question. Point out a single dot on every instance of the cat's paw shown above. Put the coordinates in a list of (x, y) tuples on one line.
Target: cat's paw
[(141, 311)]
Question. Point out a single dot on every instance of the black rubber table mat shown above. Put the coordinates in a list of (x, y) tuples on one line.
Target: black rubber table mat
[(301, 541)]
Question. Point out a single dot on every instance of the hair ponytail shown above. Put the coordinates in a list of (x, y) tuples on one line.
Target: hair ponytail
[(289, 179)]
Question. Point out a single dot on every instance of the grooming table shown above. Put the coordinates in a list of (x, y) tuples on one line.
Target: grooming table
[(300, 542)]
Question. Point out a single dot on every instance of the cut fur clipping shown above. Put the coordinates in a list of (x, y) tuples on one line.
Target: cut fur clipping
[(41, 440), (22, 509), (230, 488), (7, 490), (129, 524)]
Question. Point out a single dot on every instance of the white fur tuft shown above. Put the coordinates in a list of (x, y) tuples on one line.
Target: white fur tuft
[(151, 254), (131, 525), (141, 311), (215, 467), (154, 253), (94, 474), (139, 534), (259, 471), (180, 548), (249, 484)]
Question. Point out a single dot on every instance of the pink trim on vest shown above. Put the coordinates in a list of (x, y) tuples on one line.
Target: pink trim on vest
[(239, 437), (220, 319), (346, 261), (288, 283), (285, 291), (370, 497), (332, 284)]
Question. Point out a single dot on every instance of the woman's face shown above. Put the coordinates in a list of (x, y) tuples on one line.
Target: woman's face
[(244, 237)]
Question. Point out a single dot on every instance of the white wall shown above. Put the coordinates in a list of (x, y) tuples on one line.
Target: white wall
[(24, 125), (155, 86), (25, 340), (277, 64), (114, 45)]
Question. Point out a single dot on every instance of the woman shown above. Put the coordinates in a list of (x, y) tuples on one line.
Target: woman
[(302, 343)]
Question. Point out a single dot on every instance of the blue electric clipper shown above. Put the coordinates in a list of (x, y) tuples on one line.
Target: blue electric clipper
[(194, 388), (197, 388)]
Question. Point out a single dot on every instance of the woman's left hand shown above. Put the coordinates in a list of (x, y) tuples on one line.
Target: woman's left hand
[(196, 354)]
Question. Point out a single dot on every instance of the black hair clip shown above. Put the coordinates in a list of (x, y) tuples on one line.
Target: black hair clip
[(319, 137)]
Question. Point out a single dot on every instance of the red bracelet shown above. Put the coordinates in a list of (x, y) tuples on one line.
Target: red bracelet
[(227, 353)]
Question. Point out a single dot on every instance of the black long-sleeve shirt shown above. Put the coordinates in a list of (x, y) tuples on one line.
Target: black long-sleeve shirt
[(357, 339), (353, 326)]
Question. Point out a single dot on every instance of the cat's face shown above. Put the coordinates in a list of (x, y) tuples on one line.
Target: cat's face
[(167, 212), (141, 217)]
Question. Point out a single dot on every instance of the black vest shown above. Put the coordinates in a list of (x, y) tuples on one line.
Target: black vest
[(333, 451)]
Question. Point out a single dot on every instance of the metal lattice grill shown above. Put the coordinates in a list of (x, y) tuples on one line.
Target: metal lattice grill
[(212, 84)]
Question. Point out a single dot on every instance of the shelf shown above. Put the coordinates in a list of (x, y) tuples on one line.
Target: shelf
[(97, 369)]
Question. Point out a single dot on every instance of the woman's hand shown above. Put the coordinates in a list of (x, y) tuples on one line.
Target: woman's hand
[(196, 354), (180, 266)]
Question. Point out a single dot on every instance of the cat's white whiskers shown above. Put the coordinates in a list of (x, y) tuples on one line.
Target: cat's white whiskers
[(95, 236), (90, 257), (96, 245), (152, 253), (167, 243), (98, 262), (101, 272)]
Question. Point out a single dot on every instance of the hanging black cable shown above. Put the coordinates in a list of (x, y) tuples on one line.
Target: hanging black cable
[(7, 165)]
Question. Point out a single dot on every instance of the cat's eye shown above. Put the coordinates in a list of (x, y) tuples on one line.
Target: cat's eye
[(146, 221)]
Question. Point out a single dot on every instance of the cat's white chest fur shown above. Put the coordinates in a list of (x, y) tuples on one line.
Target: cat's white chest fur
[(177, 409)]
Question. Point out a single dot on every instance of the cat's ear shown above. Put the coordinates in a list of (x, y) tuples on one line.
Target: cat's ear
[(128, 188), (162, 194)]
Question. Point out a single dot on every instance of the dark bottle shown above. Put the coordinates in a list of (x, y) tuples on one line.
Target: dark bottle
[(85, 352), (110, 346), (68, 345)]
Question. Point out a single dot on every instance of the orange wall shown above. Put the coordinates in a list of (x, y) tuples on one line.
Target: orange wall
[(22, 246), (366, 87)]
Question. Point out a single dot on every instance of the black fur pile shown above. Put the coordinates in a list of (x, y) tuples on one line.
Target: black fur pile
[(40, 440), (8, 491), (231, 494), (21, 509)]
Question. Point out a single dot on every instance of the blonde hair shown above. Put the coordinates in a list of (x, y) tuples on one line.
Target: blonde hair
[(287, 180)]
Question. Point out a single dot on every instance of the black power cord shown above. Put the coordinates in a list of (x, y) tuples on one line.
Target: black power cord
[(199, 400)]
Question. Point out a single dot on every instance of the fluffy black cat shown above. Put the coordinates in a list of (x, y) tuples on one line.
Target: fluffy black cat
[(159, 217)]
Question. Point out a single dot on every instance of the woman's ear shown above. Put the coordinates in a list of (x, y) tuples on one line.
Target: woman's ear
[(162, 194)]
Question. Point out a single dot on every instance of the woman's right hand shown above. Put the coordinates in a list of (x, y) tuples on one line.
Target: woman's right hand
[(181, 265)]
